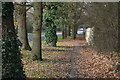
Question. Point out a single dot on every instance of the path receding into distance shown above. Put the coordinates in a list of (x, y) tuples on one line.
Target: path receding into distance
[(84, 62), (67, 65), (74, 57), (88, 64), (75, 73)]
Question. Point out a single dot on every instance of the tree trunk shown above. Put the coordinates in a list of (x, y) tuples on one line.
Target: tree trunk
[(50, 33), (20, 12), (0, 42), (63, 32), (68, 32), (37, 27), (76, 29), (73, 33), (83, 33), (118, 28), (11, 57)]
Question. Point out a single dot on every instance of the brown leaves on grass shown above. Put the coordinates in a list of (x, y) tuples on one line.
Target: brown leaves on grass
[(70, 55), (48, 68), (95, 64)]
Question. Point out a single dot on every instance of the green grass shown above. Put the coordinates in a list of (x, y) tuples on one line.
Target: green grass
[(43, 40), (30, 43), (29, 33), (59, 36), (44, 31)]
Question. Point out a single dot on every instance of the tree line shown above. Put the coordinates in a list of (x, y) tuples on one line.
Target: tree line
[(51, 14)]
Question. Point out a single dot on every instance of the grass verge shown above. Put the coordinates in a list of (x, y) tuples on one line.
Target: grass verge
[(45, 68)]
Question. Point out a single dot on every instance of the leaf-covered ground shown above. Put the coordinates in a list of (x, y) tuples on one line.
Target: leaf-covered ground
[(71, 59)]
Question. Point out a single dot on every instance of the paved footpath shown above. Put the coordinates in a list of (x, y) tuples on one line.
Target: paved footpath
[(66, 65), (73, 59), (75, 56)]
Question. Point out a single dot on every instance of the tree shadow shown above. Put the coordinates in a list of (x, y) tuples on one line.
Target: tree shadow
[(56, 79), (66, 47), (62, 62), (60, 50), (83, 47)]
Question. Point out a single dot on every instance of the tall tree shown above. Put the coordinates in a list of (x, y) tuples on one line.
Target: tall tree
[(118, 50), (63, 32), (63, 18), (70, 13), (37, 27), (20, 12), (69, 30), (119, 29), (73, 32), (50, 15), (0, 38), (11, 57)]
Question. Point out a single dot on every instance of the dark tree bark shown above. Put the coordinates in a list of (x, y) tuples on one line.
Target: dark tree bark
[(76, 29), (0, 41), (119, 27), (68, 31), (63, 36), (118, 50), (37, 27), (65, 31), (83, 33), (73, 32), (12, 67), (20, 12)]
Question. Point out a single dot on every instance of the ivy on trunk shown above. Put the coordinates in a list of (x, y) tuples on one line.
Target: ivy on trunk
[(11, 57), (49, 21)]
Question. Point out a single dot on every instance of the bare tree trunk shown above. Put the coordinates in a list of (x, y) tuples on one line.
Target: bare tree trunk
[(0, 41), (20, 12), (73, 32), (119, 28), (118, 50), (84, 33), (63, 32), (68, 31), (37, 27), (76, 29)]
